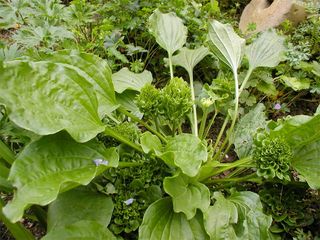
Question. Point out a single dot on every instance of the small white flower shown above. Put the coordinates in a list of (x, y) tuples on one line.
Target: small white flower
[(98, 162), (129, 201)]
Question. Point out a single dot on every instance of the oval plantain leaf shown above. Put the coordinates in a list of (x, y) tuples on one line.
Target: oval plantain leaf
[(225, 44), (50, 95), (78, 205), (125, 79), (84, 230), (306, 162), (160, 222), (240, 216), (187, 152), (189, 58), (187, 195), (168, 30), (49, 165), (266, 51), (98, 74)]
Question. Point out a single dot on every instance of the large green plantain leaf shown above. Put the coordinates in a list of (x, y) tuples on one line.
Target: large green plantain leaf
[(50, 165), (187, 194), (125, 79), (306, 160), (160, 222), (226, 45), (168, 30), (84, 230), (77, 205), (240, 216), (187, 152), (51, 94), (98, 74), (266, 51), (66, 215)]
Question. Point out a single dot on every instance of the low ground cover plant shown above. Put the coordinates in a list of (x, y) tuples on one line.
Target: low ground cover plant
[(104, 154)]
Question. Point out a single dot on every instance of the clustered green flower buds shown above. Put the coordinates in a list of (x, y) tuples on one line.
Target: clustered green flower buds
[(273, 157), (128, 130), (173, 102)]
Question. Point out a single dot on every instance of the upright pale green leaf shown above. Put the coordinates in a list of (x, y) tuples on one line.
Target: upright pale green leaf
[(168, 30), (266, 51), (187, 194), (125, 79), (78, 205), (50, 95), (240, 216), (306, 161), (150, 142), (226, 45), (160, 222), (189, 58), (187, 152), (127, 99), (95, 70), (246, 128), (49, 165), (84, 230)]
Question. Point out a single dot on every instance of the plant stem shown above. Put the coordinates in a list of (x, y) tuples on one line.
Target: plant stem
[(18, 231), (235, 114), (244, 83), (136, 119), (203, 123), (210, 124), (250, 178), (194, 107), (227, 166), (110, 132), (6, 153), (129, 164), (170, 65), (226, 120)]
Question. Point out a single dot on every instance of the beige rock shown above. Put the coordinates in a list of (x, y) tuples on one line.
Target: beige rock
[(265, 15)]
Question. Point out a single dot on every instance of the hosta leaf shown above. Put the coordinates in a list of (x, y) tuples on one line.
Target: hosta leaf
[(97, 71), (168, 30), (124, 79), (186, 152), (160, 222), (187, 195), (78, 205), (189, 58), (246, 129), (266, 51), (47, 96), (84, 230), (51, 164), (306, 161), (127, 100), (225, 44)]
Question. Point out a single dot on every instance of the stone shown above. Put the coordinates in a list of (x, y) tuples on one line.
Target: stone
[(266, 14)]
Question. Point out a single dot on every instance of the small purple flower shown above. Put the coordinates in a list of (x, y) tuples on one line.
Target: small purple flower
[(129, 201), (98, 162), (277, 106)]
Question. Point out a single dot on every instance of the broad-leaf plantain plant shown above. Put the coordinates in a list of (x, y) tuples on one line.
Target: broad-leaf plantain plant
[(67, 99)]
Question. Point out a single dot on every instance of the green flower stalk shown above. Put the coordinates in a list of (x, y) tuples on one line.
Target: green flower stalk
[(273, 157)]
